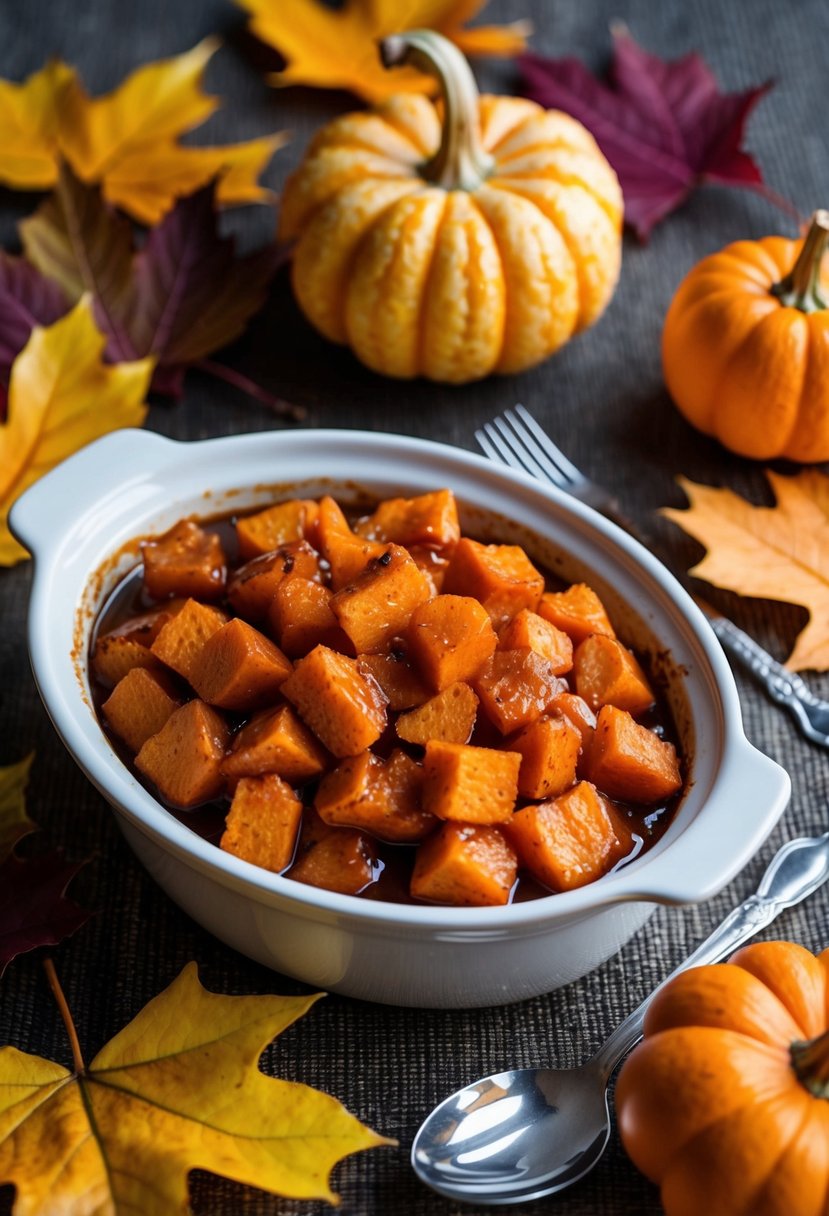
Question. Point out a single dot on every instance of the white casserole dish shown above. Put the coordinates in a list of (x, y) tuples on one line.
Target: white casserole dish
[(79, 522)]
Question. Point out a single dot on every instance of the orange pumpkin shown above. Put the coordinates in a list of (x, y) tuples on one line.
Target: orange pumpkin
[(745, 349), (453, 248), (724, 1103)]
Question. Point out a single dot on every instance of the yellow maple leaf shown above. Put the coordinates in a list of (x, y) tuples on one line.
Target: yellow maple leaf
[(61, 397), (128, 139), (777, 553), (177, 1089), (336, 48), (14, 822)]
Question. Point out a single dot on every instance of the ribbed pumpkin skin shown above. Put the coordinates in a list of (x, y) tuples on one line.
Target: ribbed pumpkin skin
[(453, 284), (743, 367), (709, 1106)]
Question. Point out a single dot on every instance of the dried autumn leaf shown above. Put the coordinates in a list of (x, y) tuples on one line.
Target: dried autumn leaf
[(336, 47), (182, 297), (14, 822), (34, 910), (777, 553), (664, 125), (61, 397), (128, 139), (177, 1089), (27, 298)]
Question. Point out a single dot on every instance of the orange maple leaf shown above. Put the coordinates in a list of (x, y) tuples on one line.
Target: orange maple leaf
[(336, 48), (128, 139), (777, 553)]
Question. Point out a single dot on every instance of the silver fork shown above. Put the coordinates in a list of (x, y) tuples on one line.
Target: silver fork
[(514, 438)]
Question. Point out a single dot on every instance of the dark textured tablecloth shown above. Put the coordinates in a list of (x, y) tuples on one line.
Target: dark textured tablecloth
[(603, 400)]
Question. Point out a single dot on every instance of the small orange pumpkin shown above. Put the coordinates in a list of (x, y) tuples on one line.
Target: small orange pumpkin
[(745, 348), (724, 1104), (457, 248)]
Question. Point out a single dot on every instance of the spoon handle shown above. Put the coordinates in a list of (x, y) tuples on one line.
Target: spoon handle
[(795, 872)]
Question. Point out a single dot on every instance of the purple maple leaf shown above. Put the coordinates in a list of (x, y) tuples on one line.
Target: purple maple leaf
[(34, 910), (665, 126), (27, 298)]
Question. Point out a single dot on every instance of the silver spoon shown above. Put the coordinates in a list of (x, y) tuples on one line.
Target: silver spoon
[(518, 1135)]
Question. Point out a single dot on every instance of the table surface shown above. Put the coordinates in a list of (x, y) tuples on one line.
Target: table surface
[(602, 398)]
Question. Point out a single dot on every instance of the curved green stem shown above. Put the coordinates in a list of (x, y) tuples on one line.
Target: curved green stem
[(810, 1061), (800, 288), (460, 163)]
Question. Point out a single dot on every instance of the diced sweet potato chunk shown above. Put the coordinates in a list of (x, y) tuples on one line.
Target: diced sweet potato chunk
[(377, 606), (450, 639), (428, 519), (382, 798), (180, 642), (253, 586), (449, 716), (347, 554), (275, 741), (184, 759), (300, 617), (549, 754), (186, 561), (344, 707), (465, 865), (501, 577), (401, 684), (578, 611), (473, 784), (263, 822), (630, 762), (239, 668), (139, 705), (277, 525), (516, 687), (336, 859), (578, 713), (432, 564), (117, 654), (570, 841), (529, 631), (608, 674)]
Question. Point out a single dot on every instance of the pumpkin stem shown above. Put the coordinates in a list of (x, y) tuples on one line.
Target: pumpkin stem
[(460, 163), (800, 288), (810, 1061)]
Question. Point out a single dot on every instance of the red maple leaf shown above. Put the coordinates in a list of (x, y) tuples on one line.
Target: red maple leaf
[(664, 125), (34, 910)]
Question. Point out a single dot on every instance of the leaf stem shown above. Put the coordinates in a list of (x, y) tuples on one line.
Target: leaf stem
[(220, 371), (800, 288), (58, 994)]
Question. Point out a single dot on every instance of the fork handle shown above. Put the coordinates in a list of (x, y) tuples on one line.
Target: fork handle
[(779, 683)]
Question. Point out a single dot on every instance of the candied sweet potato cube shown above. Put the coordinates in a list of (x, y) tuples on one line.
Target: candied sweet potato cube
[(183, 760), (377, 606), (277, 525), (383, 798), (139, 705), (401, 685), (343, 706), (263, 822), (578, 713), (252, 587), (450, 639), (186, 561), (239, 668), (529, 631), (432, 564), (578, 611), (501, 577), (608, 674), (300, 617), (116, 654), (473, 784), (336, 859), (549, 754), (569, 841), (630, 762), (466, 865), (275, 741), (428, 519), (346, 554), (450, 716), (180, 642), (516, 687)]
